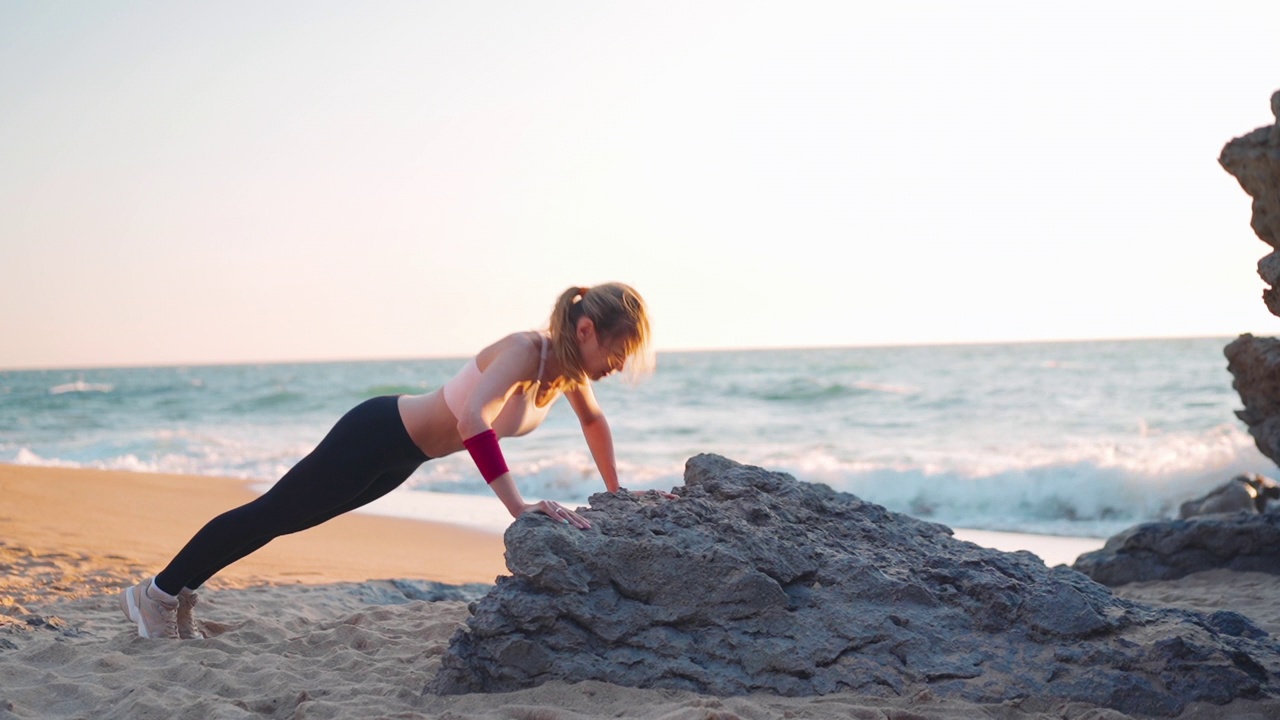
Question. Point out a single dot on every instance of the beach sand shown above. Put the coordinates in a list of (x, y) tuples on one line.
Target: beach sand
[(313, 626)]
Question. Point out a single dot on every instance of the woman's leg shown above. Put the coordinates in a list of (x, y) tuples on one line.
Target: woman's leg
[(366, 444), (382, 485)]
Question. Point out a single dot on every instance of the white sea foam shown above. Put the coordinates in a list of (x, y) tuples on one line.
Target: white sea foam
[(1077, 490), (885, 387), (25, 456), (80, 386)]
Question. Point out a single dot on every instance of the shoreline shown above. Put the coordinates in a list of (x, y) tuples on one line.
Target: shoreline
[(145, 518), (1052, 549)]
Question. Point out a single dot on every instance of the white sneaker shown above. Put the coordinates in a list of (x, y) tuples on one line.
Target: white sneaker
[(188, 629), (154, 618)]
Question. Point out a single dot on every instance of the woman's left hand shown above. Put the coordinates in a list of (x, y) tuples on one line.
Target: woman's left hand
[(559, 512)]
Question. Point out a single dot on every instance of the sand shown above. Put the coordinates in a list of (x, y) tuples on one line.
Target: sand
[(313, 627), (1052, 550)]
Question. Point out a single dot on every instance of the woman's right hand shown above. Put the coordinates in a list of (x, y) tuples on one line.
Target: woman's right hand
[(556, 511)]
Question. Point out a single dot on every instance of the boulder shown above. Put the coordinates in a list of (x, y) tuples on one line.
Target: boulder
[(1248, 493), (753, 581), (1170, 549)]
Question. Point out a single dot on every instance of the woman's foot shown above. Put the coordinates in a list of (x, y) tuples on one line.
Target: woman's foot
[(154, 618), (188, 629)]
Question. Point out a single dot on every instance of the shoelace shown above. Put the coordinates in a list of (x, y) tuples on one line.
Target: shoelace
[(168, 614)]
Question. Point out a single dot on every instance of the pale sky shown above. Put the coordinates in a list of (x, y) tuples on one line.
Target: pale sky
[(248, 181)]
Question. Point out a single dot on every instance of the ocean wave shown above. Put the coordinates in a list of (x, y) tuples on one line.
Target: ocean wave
[(281, 399), (803, 391), (1093, 491), (210, 459), (886, 388), (24, 456), (570, 477), (80, 386), (177, 464), (393, 389)]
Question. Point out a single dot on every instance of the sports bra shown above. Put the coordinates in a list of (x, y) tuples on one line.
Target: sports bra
[(520, 415)]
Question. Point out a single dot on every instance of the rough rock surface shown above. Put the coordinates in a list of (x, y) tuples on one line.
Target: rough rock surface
[(1254, 160), (755, 582), (1170, 549), (1248, 492), (1254, 364)]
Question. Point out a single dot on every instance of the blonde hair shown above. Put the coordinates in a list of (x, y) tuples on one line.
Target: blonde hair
[(619, 314)]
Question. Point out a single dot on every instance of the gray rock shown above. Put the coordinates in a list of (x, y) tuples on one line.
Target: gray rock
[(399, 592), (1248, 493), (1254, 160), (1254, 364), (755, 582), (1170, 549)]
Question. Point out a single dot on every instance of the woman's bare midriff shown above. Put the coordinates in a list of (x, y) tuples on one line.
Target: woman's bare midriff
[(430, 423)]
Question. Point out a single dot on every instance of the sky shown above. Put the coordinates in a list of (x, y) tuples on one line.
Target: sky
[(186, 183)]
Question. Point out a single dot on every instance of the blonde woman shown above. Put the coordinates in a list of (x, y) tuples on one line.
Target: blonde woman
[(504, 391)]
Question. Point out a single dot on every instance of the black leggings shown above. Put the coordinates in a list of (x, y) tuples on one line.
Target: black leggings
[(366, 455)]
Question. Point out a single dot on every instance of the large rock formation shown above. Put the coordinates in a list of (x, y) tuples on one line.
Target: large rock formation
[(1254, 160), (1170, 549), (753, 581)]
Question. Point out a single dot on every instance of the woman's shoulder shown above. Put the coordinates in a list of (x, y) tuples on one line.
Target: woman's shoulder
[(524, 347), (524, 340)]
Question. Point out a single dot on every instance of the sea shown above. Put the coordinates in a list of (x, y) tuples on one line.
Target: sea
[(1076, 439)]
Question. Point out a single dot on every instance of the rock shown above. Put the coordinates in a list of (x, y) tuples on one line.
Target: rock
[(1254, 364), (1254, 160), (1247, 493), (755, 582), (401, 591), (1170, 549)]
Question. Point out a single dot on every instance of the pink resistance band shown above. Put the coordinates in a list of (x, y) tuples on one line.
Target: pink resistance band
[(487, 455)]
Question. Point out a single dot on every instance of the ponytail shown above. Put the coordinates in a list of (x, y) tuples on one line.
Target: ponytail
[(618, 312), (564, 323)]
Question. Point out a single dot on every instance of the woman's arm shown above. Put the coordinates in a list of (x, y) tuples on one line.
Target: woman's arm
[(595, 428), (503, 367)]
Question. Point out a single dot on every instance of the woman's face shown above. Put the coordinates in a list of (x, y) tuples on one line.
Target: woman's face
[(600, 357)]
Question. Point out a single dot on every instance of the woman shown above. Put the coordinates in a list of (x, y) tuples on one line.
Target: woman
[(504, 391)]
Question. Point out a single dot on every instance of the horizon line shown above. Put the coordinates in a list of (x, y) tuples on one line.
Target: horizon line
[(142, 365)]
